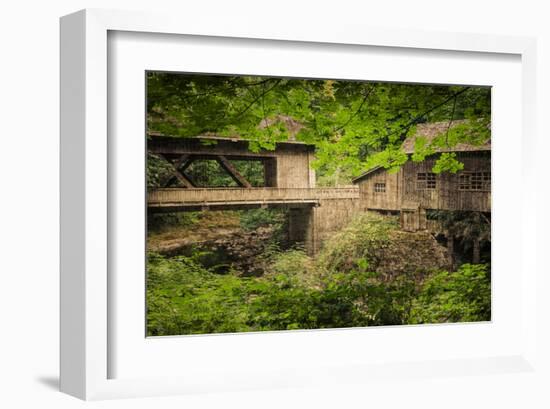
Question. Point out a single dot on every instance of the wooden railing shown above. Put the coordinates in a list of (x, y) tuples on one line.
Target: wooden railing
[(183, 197)]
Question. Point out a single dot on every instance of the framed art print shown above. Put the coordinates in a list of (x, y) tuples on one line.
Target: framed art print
[(277, 203), (343, 202)]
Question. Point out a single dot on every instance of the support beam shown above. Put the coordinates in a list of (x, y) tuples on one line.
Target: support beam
[(184, 180), (178, 168), (301, 228), (183, 162), (233, 172), (270, 172), (475, 251)]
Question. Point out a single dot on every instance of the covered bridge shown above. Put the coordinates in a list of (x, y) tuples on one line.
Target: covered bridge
[(288, 182)]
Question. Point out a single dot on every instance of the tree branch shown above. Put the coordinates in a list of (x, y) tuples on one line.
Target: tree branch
[(238, 115), (450, 122), (356, 112), (415, 120), (215, 91), (263, 112)]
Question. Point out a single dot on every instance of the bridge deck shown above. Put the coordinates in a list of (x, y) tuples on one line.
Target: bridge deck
[(190, 199)]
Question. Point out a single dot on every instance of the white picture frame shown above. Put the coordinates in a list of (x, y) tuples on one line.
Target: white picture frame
[(88, 294)]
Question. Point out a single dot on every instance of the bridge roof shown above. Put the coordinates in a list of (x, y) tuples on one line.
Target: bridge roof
[(213, 137), (230, 147)]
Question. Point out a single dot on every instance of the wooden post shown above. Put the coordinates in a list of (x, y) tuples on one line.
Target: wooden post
[(475, 251), (422, 219), (301, 228), (270, 172)]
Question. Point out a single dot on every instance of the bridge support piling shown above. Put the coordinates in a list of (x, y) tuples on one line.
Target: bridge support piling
[(301, 228), (314, 225)]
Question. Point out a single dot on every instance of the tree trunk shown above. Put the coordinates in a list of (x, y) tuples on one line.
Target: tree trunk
[(475, 251)]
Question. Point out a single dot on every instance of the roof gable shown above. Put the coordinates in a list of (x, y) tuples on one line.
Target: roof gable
[(366, 174)]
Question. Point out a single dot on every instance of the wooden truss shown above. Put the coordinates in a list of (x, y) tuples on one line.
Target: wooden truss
[(184, 161)]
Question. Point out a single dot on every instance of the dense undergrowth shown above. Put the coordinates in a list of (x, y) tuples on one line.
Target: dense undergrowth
[(347, 285)]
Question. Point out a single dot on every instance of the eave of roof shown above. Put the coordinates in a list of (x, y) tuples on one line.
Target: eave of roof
[(365, 174)]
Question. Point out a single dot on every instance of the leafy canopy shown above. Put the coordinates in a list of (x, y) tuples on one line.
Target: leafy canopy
[(355, 125)]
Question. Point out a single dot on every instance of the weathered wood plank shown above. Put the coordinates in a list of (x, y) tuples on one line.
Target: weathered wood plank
[(183, 197), (402, 187)]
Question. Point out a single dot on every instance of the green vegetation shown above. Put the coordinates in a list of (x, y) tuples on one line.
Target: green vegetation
[(158, 170), (464, 295), (356, 243), (355, 125), (254, 218), (157, 222), (473, 229), (344, 287), (234, 271)]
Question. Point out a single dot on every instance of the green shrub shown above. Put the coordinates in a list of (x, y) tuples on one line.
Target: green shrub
[(158, 170), (293, 263), (185, 298), (462, 296), (254, 218), (357, 241), (157, 222), (337, 290)]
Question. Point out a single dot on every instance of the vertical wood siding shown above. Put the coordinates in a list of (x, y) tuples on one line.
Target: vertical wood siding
[(402, 189)]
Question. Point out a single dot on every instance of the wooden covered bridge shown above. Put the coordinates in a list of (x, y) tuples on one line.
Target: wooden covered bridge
[(288, 182)]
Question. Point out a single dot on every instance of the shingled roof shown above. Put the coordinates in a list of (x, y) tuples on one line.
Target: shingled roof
[(433, 129), (430, 131)]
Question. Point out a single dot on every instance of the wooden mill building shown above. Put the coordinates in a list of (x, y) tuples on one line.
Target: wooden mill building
[(415, 188)]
